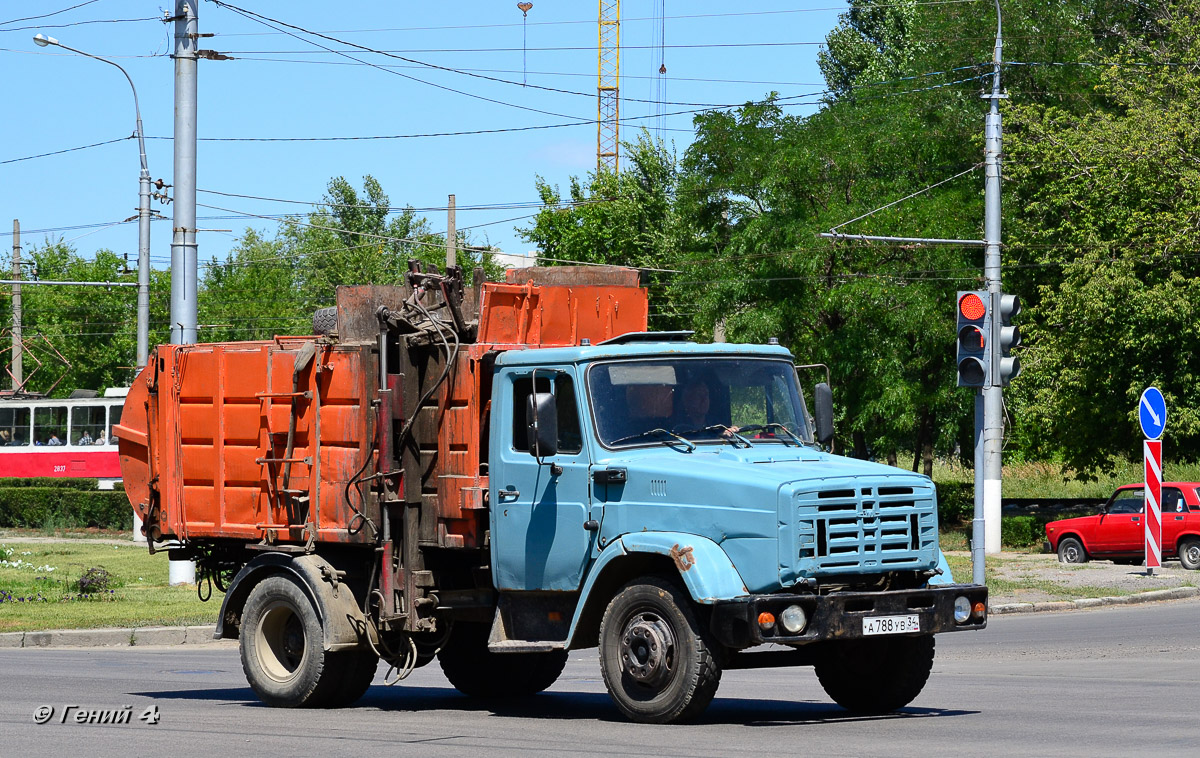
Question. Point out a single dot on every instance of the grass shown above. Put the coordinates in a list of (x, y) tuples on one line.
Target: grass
[(39, 588)]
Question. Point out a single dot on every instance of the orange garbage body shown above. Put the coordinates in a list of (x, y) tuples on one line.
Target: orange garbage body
[(278, 441)]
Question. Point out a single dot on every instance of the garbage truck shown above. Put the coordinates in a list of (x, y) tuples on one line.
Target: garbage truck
[(495, 475)]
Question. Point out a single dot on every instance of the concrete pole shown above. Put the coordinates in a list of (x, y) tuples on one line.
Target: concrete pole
[(183, 239), (451, 234), (18, 358), (993, 400)]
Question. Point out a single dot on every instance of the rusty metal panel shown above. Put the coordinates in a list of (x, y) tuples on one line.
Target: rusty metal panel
[(575, 276), (357, 306), (531, 316)]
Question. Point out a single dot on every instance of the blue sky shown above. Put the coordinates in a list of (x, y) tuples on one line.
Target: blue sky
[(281, 86)]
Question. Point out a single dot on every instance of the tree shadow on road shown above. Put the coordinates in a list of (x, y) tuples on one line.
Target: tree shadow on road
[(557, 704)]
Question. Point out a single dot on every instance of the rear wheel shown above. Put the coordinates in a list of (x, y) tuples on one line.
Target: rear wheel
[(875, 675), (659, 665), (282, 647), (1070, 550), (1189, 554), (478, 672), (355, 670)]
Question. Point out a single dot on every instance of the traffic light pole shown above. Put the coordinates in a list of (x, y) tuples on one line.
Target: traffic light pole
[(993, 400)]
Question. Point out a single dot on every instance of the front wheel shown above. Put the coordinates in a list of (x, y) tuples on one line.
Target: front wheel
[(658, 663), (1189, 554), (875, 675), (1070, 550), (282, 648)]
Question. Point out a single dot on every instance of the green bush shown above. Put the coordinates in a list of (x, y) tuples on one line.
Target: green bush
[(1021, 531), (956, 503), (38, 507)]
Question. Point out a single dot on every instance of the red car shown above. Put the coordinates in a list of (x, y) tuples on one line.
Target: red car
[(1118, 531)]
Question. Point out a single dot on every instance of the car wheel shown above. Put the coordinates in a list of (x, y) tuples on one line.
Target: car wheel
[(1189, 554), (658, 662), (1070, 550)]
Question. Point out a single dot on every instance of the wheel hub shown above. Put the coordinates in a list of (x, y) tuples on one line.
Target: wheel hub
[(647, 649)]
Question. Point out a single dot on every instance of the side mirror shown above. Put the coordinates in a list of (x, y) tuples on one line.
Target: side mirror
[(541, 423), (823, 398)]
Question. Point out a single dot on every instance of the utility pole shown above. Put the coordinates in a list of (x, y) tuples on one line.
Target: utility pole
[(992, 394), (183, 239), (18, 369), (451, 234)]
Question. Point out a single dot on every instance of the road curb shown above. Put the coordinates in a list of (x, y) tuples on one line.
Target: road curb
[(121, 637), (1176, 593)]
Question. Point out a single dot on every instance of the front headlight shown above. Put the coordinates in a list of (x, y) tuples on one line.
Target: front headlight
[(962, 609), (793, 619)]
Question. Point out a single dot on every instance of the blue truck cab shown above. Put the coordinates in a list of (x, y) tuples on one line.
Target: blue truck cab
[(670, 503)]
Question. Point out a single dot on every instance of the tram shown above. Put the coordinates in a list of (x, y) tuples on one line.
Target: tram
[(61, 438)]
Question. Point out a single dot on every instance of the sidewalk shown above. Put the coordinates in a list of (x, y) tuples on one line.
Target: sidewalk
[(121, 637)]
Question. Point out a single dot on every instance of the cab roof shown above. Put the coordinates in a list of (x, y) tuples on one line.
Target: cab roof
[(645, 346)]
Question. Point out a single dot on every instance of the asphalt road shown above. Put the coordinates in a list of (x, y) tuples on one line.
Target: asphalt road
[(1110, 682)]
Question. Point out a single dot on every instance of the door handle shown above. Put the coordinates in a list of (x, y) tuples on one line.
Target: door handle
[(1179, 518), (1135, 519), (502, 494), (592, 525)]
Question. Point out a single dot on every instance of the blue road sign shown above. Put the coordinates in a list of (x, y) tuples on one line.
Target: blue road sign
[(1152, 413)]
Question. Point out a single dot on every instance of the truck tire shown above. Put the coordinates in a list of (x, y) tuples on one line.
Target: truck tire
[(477, 672), (875, 675), (659, 664), (355, 671), (325, 320), (282, 647)]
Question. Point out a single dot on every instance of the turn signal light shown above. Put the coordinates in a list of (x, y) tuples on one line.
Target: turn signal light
[(979, 611), (766, 621)]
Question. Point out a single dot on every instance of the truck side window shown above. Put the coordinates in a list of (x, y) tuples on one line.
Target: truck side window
[(570, 438)]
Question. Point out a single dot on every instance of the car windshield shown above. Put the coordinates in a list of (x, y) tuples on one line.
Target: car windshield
[(704, 400)]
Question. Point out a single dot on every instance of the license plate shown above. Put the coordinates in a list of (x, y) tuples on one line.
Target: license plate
[(891, 625)]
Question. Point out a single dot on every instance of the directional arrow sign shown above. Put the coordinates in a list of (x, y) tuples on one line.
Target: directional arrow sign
[(1152, 413)]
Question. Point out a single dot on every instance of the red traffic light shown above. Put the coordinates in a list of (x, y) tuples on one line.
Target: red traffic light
[(971, 307)]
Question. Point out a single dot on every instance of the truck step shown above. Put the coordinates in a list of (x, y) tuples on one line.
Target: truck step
[(525, 646)]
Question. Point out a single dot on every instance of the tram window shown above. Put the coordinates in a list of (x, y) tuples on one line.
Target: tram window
[(87, 424), (49, 426), (114, 418), (14, 426)]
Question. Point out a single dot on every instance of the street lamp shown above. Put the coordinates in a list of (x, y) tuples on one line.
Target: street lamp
[(143, 317)]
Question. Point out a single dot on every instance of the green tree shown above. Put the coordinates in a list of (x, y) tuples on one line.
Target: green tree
[(1106, 230)]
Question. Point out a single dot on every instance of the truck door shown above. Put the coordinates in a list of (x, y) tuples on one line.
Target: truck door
[(539, 541)]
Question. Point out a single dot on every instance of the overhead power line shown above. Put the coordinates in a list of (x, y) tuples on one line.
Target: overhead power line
[(592, 21), (47, 15)]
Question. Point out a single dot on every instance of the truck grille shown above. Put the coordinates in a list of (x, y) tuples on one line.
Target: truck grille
[(864, 529)]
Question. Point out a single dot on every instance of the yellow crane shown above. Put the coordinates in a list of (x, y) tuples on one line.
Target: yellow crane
[(608, 81)]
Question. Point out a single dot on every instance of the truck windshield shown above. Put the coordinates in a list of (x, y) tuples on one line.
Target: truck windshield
[(698, 399)]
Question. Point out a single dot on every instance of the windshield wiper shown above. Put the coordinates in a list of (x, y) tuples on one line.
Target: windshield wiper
[(772, 425), (648, 432)]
